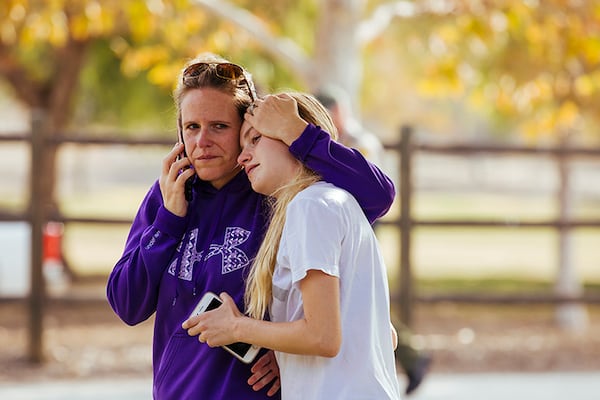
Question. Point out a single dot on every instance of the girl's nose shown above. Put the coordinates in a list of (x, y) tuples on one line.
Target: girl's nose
[(243, 158)]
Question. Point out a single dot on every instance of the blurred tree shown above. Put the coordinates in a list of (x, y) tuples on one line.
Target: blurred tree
[(533, 66), (44, 44), (132, 105)]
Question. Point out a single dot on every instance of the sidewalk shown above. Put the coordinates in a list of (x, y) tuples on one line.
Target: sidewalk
[(113, 389), (514, 386)]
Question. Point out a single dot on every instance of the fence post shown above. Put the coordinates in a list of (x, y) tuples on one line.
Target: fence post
[(406, 284), (37, 218), (569, 316)]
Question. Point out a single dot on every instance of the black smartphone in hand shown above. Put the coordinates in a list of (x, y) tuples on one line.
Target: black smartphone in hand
[(188, 182)]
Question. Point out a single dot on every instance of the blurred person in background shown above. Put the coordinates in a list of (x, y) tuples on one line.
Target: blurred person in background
[(190, 238), (350, 130), (352, 133), (319, 274)]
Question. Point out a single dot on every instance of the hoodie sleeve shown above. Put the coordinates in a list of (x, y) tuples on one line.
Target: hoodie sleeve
[(132, 287), (346, 168)]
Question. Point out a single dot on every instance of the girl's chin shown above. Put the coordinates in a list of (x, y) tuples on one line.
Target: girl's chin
[(256, 187)]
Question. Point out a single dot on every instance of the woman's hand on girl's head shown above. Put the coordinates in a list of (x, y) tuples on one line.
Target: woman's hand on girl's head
[(175, 172), (277, 117)]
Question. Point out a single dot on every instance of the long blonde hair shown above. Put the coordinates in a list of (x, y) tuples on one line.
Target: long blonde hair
[(259, 285)]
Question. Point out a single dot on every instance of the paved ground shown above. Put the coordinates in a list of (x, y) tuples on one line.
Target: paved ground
[(92, 355), (114, 389), (513, 386), (489, 386)]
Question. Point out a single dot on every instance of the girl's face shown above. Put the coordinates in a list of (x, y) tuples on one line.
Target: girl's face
[(267, 162), (211, 126)]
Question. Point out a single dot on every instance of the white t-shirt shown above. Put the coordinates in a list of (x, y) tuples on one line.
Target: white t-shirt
[(326, 230)]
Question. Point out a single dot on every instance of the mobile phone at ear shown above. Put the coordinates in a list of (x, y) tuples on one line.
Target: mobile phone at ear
[(244, 352), (188, 183)]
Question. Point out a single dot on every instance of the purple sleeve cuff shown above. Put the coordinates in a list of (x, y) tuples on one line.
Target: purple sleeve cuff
[(169, 223), (302, 146)]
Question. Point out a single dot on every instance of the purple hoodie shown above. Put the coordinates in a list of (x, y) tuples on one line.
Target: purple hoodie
[(170, 261)]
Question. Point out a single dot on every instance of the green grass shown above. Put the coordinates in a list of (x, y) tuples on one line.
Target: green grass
[(121, 202), (495, 255), (93, 249)]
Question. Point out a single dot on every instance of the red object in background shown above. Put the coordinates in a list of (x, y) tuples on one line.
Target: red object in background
[(54, 270), (52, 239)]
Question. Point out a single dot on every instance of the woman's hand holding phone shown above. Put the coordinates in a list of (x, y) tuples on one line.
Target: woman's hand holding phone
[(176, 170)]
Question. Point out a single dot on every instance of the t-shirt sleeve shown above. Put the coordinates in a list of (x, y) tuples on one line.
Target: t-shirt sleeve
[(312, 235)]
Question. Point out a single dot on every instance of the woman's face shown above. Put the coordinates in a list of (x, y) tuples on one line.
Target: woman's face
[(211, 126), (267, 162)]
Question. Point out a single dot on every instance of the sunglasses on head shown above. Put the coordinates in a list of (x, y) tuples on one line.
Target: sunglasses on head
[(227, 71)]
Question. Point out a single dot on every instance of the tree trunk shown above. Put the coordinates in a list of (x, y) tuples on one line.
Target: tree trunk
[(54, 97), (57, 102), (338, 59)]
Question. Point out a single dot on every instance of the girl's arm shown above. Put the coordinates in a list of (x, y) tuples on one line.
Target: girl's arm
[(318, 333), (276, 116)]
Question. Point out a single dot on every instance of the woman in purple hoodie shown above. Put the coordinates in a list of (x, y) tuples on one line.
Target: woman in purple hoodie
[(199, 228)]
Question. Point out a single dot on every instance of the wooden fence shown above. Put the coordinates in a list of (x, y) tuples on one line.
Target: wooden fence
[(407, 147)]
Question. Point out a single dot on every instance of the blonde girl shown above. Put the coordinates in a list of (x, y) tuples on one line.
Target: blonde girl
[(318, 275)]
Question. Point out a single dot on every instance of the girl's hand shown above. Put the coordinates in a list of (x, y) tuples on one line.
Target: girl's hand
[(216, 327), (172, 179)]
